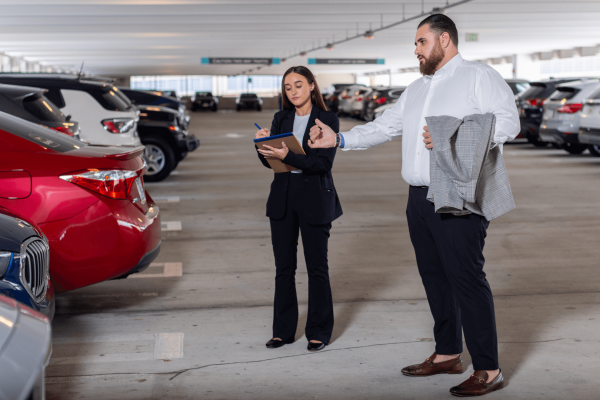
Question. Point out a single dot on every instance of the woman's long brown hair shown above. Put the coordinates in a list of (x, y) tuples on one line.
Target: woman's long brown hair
[(315, 97)]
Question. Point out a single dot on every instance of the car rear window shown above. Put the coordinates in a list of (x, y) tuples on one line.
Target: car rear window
[(39, 135), (42, 108), (204, 94), (537, 90), (564, 93), (110, 99), (395, 94), (248, 96)]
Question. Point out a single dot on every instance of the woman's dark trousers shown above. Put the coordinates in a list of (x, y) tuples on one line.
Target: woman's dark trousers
[(284, 235)]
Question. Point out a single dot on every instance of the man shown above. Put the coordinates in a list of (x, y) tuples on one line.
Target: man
[(448, 248)]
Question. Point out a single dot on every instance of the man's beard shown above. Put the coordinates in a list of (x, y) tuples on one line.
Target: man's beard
[(431, 63)]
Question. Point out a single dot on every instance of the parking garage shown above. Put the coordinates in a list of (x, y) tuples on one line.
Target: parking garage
[(161, 278)]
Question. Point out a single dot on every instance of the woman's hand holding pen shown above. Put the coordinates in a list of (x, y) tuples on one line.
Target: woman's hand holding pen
[(274, 153), (261, 133)]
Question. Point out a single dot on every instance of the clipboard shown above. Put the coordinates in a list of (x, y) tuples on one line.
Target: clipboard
[(275, 141)]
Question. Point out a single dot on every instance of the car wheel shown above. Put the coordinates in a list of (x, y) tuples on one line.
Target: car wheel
[(536, 141), (238, 108), (575, 148), (214, 108), (160, 159), (594, 149)]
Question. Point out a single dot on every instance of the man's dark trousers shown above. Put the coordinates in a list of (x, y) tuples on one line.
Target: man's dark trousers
[(284, 235), (449, 251)]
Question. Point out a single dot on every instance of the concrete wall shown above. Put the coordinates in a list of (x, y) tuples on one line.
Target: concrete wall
[(326, 80)]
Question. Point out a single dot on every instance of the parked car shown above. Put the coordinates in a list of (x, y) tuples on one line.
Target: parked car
[(349, 95), (24, 252), (589, 131), (166, 141), (153, 98), (88, 200), (560, 122), (204, 101), (518, 85), (105, 115), (530, 105), (168, 93), (31, 105), (25, 349), (249, 101), (378, 98), (332, 100)]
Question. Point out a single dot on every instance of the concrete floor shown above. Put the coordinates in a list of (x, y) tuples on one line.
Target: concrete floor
[(200, 334)]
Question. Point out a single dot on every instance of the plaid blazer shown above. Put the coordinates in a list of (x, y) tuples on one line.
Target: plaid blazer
[(467, 173)]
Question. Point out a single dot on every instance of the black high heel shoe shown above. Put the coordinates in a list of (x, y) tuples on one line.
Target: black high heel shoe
[(315, 346), (276, 343)]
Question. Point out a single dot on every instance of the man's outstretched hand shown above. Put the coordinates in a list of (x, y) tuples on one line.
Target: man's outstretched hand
[(321, 136)]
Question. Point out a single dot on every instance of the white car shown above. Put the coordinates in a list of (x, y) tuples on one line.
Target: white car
[(589, 122), (358, 103), (348, 95), (105, 115), (562, 111)]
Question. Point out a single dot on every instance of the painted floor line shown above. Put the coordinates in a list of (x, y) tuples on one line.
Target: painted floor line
[(104, 339), (174, 173), (168, 226), (94, 296), (169, 270), (167, 199), (168, 346)]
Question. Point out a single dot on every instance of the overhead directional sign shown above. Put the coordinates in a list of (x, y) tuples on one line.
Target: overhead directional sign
[(239, 61), (346, 61)]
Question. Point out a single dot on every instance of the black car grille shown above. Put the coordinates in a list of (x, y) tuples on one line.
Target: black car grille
[(34, 267)]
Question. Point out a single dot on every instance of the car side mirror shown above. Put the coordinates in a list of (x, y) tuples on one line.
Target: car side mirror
[(68, 118)]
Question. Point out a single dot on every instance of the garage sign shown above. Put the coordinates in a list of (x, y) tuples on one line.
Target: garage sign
[(346, 61), (239, 61)]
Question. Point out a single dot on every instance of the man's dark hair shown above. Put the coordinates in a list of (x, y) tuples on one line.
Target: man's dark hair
[(439, 24)]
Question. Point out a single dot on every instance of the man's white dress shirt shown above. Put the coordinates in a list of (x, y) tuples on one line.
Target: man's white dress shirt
[(458, 89)]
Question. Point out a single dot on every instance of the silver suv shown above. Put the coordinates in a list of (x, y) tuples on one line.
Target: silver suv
[(562, 111), (589, 131)]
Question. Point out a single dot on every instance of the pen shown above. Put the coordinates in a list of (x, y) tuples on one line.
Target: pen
[(255, 124)]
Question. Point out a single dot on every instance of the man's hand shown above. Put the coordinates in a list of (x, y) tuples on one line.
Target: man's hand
[(274, 154), (321, 136), (262, 133), (427, 138)]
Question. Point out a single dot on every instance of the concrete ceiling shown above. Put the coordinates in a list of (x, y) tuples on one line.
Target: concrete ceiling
[(146, 37)]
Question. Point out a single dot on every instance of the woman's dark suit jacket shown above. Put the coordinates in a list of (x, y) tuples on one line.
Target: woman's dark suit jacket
[(320, 201)]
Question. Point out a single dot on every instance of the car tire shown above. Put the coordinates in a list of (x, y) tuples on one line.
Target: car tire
[(594, 150), (574, 148), (159, 157), (536, 141), (259, 108), (238, 108), (214, 108)]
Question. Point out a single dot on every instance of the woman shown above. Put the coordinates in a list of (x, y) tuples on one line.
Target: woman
[(303, 200)]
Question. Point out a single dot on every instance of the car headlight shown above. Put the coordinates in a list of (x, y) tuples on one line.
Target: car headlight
[(5, 257)]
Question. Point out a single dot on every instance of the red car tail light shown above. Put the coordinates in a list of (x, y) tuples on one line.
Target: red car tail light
[(570, 108), (535, 102), (110, 183), (381, 100), (334, 98), (118, 125), (346, 97), (64, 129), (359, 99)]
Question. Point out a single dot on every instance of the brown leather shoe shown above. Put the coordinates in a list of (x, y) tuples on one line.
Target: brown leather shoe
[(477, 385), (428, 367)]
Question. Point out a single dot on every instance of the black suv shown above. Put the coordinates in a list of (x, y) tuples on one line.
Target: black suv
[(377, 98), (204, 101), (153, 98), (30, 104), (248, 101), (530, 104), (166, 140)]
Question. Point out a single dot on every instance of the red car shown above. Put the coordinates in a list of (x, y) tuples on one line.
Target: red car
[(89, 201)]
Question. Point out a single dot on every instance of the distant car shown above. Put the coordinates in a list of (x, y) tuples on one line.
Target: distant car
[(378, 98), (530, 105), (168, 93), (589, 131), (25, 350), (105, 115), (31, 105), (154, 98), (560, 122), (24, 262), (204, 101), (517, 85), (166, 141), (89, 201), (248, 101), (332, 100), (348, 97)]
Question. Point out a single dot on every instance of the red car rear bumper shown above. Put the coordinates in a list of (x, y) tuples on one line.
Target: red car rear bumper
[(107, 240)]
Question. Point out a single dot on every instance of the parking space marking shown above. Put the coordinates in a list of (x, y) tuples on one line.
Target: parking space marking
[(174, 173), (94, 296), (167, 199), (168, 226), (234, 135), (576, 160), (169, 270), (168, 346)]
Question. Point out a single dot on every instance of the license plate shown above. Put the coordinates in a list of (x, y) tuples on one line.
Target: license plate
[(140, 189), (205, 105)]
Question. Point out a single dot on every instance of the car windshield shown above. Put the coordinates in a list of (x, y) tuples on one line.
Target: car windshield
[(564, 93), (42, 108), (204, 94), (37, 134)]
